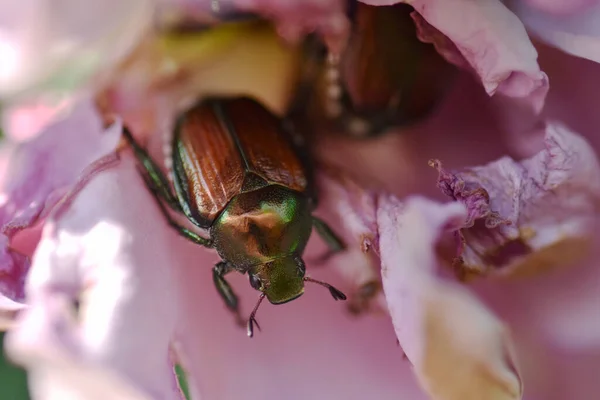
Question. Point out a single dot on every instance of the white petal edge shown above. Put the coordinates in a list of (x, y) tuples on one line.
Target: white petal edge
[(114, 256), (459, 349)]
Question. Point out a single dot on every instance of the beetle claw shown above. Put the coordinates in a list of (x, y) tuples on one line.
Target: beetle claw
[(336, 294), (251, 322)]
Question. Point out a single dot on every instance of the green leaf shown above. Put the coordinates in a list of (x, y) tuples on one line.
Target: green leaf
[(13, 380), (182, 381)]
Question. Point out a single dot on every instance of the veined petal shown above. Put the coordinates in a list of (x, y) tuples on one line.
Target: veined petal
[(112, 259), (535, 213), (574, 29), (492, 40), (458, 348)]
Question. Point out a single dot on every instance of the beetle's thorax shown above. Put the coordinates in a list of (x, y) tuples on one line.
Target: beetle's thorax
[(262, 225)]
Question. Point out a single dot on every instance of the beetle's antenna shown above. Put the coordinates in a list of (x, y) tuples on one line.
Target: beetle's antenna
[(337, 294), (252, 321)]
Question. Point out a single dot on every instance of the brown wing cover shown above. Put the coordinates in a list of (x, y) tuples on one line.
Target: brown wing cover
[(210, 168), (267, 148)]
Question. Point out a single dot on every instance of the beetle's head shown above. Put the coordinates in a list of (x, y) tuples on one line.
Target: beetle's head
[(282, 280)]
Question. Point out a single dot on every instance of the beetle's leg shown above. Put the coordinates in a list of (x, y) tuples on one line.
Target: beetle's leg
[(155, 179), (333, 241), (186, 233), (231, 300)]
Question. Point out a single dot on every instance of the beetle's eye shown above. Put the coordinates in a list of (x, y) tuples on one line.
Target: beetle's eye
[(301, 267), (255, 282)]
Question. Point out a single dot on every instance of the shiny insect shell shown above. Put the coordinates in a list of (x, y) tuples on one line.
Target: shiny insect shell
[(239, 173), (384, 78)]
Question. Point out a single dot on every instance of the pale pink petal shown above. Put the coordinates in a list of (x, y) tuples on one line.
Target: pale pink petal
[(33, 177), (33, 171), (561, 7), (25, 121), (351, 212), (576, 32), (537, 213), (458, 348), (295, 18), (492, 40), (113, 259), (58, 47), (307, 348)]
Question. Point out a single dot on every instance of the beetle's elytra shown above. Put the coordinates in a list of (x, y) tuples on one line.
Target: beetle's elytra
[(385, 77), (239, 174)]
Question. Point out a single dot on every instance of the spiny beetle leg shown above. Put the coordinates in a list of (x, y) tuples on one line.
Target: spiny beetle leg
[(231, 300), (334, 243), (186, 233), (154, 177)]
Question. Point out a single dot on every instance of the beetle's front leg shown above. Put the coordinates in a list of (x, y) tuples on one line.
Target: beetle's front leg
[(231, 300), (186, 233), (334, 243), (153, 175)]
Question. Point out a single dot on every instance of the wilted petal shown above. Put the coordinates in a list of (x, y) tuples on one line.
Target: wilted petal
[(57, 47), (538, 212), (458, 348), (575, 29), (492, 40), (112, 259)]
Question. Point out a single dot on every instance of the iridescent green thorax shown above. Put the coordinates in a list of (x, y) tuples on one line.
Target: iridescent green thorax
[(262, 225)]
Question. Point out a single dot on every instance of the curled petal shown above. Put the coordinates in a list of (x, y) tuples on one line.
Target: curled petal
[(458, 348), (492, 40), (47, 47), (537, 212), (112, 260), (573, 28)]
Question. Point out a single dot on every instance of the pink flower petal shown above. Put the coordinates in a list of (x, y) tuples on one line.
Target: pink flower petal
[(98, 252), (33, 177), (561, 7), (458, 348), (48, 47), (492, 40), (296, 18), (352, 212), (307, 348), (576, 32), (25, 121), (36, 169), (519, 211)]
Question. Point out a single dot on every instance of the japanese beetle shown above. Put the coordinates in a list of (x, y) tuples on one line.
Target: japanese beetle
[(241, 173), (385, 77)]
